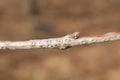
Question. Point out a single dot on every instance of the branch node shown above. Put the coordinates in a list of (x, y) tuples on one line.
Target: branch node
[(74, 35)]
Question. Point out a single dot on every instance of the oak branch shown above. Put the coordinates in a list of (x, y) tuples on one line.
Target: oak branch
[(60, 43)]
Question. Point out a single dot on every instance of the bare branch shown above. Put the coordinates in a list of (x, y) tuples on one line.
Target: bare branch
[(61, 43)]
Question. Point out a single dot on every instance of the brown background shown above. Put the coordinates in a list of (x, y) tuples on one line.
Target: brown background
[(35, 19)]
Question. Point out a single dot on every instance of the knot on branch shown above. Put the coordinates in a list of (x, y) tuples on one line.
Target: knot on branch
[(74, 35)]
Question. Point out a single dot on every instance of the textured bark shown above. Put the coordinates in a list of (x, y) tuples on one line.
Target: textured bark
[(61, 42)]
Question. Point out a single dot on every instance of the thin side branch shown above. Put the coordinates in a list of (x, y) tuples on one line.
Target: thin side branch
[(61, 43)]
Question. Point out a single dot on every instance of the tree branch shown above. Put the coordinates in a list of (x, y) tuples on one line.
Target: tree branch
[(61, 43)]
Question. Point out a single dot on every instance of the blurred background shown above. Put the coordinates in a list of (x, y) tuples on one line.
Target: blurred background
[(39, 19)]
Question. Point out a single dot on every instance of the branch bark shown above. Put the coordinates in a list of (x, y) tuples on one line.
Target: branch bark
[(60, 43)]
